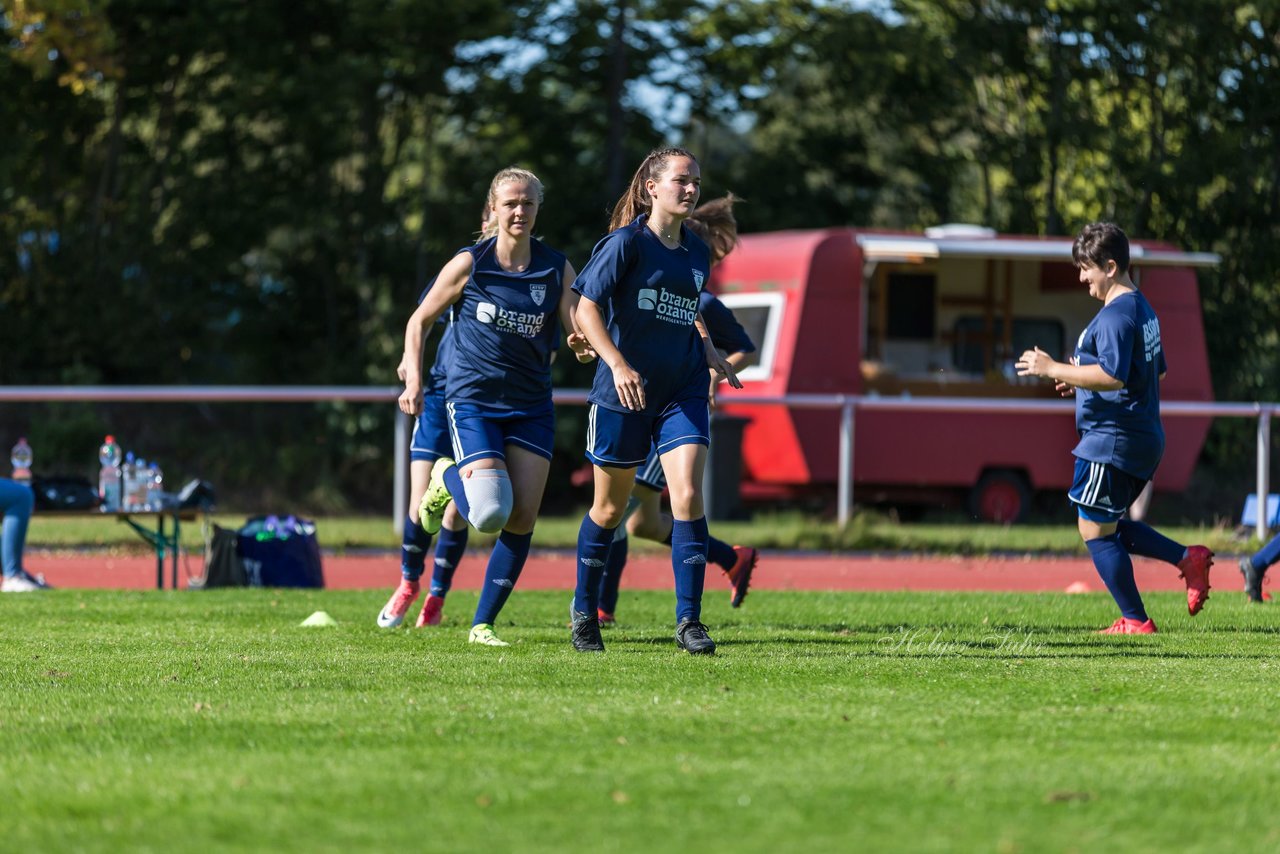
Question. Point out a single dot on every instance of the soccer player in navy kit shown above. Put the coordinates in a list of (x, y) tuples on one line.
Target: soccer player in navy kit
[(639, 311), (1115, 376), (511, 293), (1254, 567), (715, 224), (430, 443)]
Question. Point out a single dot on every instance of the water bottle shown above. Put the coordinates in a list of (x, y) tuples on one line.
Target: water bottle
[(20, 457), (155, 487), (140, 484), (128, 482), (109, 475)]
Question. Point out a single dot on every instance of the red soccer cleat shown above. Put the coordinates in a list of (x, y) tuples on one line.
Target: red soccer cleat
[(1126, 626), (604, 618), (392, 614), (740, 574), (1194, 569), (432, 612)]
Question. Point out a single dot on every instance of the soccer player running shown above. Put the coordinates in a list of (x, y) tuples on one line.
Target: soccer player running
[(1254, 567), (1115, 376), (715, 224), (508, 290), (430, 443), (639, 310)]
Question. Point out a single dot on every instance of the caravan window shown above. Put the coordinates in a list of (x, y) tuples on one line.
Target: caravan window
[(967, 348), (761, 315), (912, 306)]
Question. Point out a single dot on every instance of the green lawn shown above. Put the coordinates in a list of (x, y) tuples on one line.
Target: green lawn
[(829, 722), (867, 532)]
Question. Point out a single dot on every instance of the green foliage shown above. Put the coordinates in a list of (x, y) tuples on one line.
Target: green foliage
[(828, 721)]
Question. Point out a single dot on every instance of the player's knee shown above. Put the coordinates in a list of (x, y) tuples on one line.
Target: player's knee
[(490, 498), (685, 499)]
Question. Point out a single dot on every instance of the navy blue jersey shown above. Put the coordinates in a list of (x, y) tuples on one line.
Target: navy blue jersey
[(506, 327), (1122, 427), (649, 296), (725, 330), (434, 380)]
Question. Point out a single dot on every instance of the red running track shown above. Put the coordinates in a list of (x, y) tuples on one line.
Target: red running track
[(776, 571)]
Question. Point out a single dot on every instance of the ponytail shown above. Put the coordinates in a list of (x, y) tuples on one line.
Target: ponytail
[(635, 200), (715, 223)]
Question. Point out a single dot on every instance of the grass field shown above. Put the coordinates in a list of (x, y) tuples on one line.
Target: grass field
[(828, 722)]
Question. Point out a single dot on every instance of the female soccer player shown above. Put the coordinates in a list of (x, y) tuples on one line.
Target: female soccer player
[(715, 224), (430, 443), (508, 289), (639, 311), (1115, 377)]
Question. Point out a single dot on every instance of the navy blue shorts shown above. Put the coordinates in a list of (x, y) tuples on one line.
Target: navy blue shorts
[(1101, 492), (431, 436), (481, 434), (625, 439), (651, 473)]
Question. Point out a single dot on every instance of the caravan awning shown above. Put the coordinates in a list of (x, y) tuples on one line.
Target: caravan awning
[(905, 249)]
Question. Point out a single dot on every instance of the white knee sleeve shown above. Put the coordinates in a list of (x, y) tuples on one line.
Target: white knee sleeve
[(489, 496)]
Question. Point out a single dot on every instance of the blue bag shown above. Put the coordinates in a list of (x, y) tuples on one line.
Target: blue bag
[(280, 552)]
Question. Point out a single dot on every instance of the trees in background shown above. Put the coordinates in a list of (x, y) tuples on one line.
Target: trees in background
[(254, 193)]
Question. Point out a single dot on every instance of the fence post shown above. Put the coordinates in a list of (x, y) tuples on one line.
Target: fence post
[(844, 498), (401, 466), (1264, 471)]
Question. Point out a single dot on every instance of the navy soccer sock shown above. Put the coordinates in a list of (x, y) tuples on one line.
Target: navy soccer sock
[(689, 564), (721, 553), (594, 545), (449, 549), (612, 578), (1267, 555), (1142, 539), (500, 576), (453, 481), (1116, 568), (413, 549)]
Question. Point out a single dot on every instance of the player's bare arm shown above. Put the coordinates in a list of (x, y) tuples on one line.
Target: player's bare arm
[(1038, 363), (628, 383), (577, 342), (715, 361), (444, 293)]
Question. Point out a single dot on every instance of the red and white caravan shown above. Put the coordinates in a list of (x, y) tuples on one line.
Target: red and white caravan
[(943, 314)]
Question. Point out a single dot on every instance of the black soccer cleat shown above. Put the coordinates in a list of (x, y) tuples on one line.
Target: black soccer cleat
[(586, 632), (692, 637), (1252, 580)]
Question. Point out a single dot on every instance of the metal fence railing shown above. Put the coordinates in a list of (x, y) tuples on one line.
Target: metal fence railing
[(846, 404)]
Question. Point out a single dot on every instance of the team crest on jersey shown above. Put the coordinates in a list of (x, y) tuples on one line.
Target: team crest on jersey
[(698, 277), (538, 292)]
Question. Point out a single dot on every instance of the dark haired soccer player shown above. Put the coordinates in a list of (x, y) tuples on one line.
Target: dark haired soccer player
[(1115, 376), (1254, 568), (430, 443), (714, 222), (639, 310)]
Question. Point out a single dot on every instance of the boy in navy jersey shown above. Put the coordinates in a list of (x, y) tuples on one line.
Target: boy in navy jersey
[(639, 310), (511, 294), (715, 224), (1115, 376)]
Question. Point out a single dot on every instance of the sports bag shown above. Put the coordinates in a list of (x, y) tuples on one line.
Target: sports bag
[(280, 552)]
